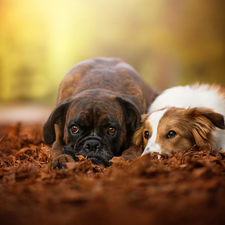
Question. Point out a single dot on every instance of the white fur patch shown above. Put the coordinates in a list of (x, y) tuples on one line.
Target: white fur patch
[(187, 96), (154, 119)]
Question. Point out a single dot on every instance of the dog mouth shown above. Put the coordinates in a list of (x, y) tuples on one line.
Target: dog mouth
[(98, 159), (91, 148)]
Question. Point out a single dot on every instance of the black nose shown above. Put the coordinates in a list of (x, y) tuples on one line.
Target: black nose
[(92, 145)]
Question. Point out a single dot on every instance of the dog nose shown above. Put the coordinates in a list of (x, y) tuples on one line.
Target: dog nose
[(91, 145)]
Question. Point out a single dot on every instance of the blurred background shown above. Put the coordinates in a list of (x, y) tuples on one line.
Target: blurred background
[(168, 42)]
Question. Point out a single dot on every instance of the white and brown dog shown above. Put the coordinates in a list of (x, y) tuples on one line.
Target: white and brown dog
[(182, 118)]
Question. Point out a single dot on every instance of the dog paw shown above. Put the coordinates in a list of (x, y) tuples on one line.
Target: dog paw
[(60, 161), (132, 153)]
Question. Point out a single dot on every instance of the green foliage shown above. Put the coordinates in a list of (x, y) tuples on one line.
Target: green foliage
[(168, 42)]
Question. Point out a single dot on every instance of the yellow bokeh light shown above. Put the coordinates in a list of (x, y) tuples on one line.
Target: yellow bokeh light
[(165, 41)]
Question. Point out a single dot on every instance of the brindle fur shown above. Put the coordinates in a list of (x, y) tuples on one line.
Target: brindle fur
[(117, 91)]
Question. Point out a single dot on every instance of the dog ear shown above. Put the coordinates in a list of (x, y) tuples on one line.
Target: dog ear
[(138, 135), (203, 121), (216, 118), (132, 111), (57, 117)]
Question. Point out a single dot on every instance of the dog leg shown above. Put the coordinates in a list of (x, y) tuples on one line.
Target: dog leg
[(132, 153), (59, 159)]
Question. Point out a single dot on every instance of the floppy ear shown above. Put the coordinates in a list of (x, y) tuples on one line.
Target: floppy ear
[(132, 111), (138, 135), (56, 117), (216, 118), (203, 122)]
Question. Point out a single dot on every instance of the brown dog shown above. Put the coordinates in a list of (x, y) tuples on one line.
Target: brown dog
[(99, 106)]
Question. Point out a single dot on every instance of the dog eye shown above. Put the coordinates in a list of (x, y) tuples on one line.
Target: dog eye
[(111, 130), (146, 135), (171, 134), (74, 129)]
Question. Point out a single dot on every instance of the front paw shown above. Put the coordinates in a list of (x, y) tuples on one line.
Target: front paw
[(68, 150), (60, 161), (132, 153)]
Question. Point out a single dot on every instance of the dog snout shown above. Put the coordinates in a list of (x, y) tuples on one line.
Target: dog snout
[(92, 145)]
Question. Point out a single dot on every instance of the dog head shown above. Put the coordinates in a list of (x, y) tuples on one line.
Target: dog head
[(97, 124), (177, 129)]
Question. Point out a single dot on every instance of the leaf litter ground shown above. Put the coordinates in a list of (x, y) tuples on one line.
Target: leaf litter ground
[(181, 188)]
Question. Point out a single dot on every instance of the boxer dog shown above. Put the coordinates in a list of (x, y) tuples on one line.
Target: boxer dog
[(99, 106)]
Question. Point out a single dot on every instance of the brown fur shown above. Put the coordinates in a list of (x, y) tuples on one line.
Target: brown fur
[(138, 138), (109, 85), (193, 126)]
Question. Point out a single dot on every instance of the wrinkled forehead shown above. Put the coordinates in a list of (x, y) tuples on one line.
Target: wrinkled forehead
[(95, 110)]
